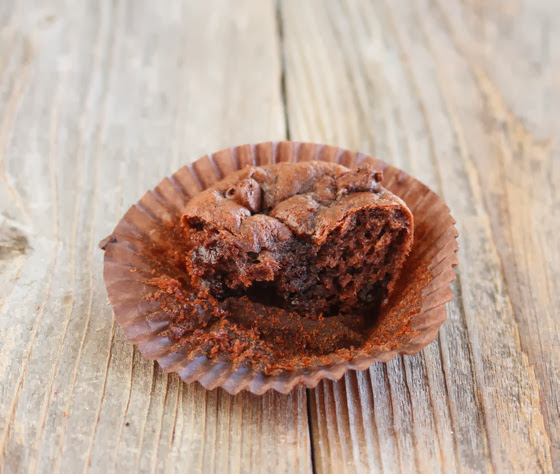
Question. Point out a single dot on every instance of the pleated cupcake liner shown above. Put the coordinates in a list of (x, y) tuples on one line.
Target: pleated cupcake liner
[(137, 247)]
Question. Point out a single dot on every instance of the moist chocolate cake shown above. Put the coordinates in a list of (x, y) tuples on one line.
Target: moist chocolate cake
[(310, 238)]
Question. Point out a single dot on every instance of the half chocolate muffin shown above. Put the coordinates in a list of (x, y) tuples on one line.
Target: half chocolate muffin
[(313, 237)]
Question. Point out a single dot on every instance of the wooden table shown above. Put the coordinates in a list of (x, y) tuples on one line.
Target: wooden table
[(101, 99)]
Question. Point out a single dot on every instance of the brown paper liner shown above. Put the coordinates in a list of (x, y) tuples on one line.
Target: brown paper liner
[(415, 312)]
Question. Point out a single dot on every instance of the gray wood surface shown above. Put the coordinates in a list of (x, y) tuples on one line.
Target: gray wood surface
[(99, 100)]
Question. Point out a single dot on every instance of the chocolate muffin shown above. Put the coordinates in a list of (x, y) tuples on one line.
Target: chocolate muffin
[(311, 237)]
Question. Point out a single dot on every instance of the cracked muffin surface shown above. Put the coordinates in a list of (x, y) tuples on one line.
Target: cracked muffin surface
[(311, 237)]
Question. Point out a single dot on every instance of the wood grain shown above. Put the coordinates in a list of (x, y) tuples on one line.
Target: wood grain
[(100, 100), (416, 84)]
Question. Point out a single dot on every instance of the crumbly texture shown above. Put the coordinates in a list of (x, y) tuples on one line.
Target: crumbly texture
[(311, 239), (244, 332)]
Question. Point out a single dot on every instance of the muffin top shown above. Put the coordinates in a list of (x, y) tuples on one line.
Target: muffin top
[(264, 206)]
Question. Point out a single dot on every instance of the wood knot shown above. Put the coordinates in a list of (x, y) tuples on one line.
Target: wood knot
[(13, 241)]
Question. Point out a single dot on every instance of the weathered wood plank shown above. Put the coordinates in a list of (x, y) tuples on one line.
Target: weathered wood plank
[(399, 80), (519, 99), (99, 101)]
